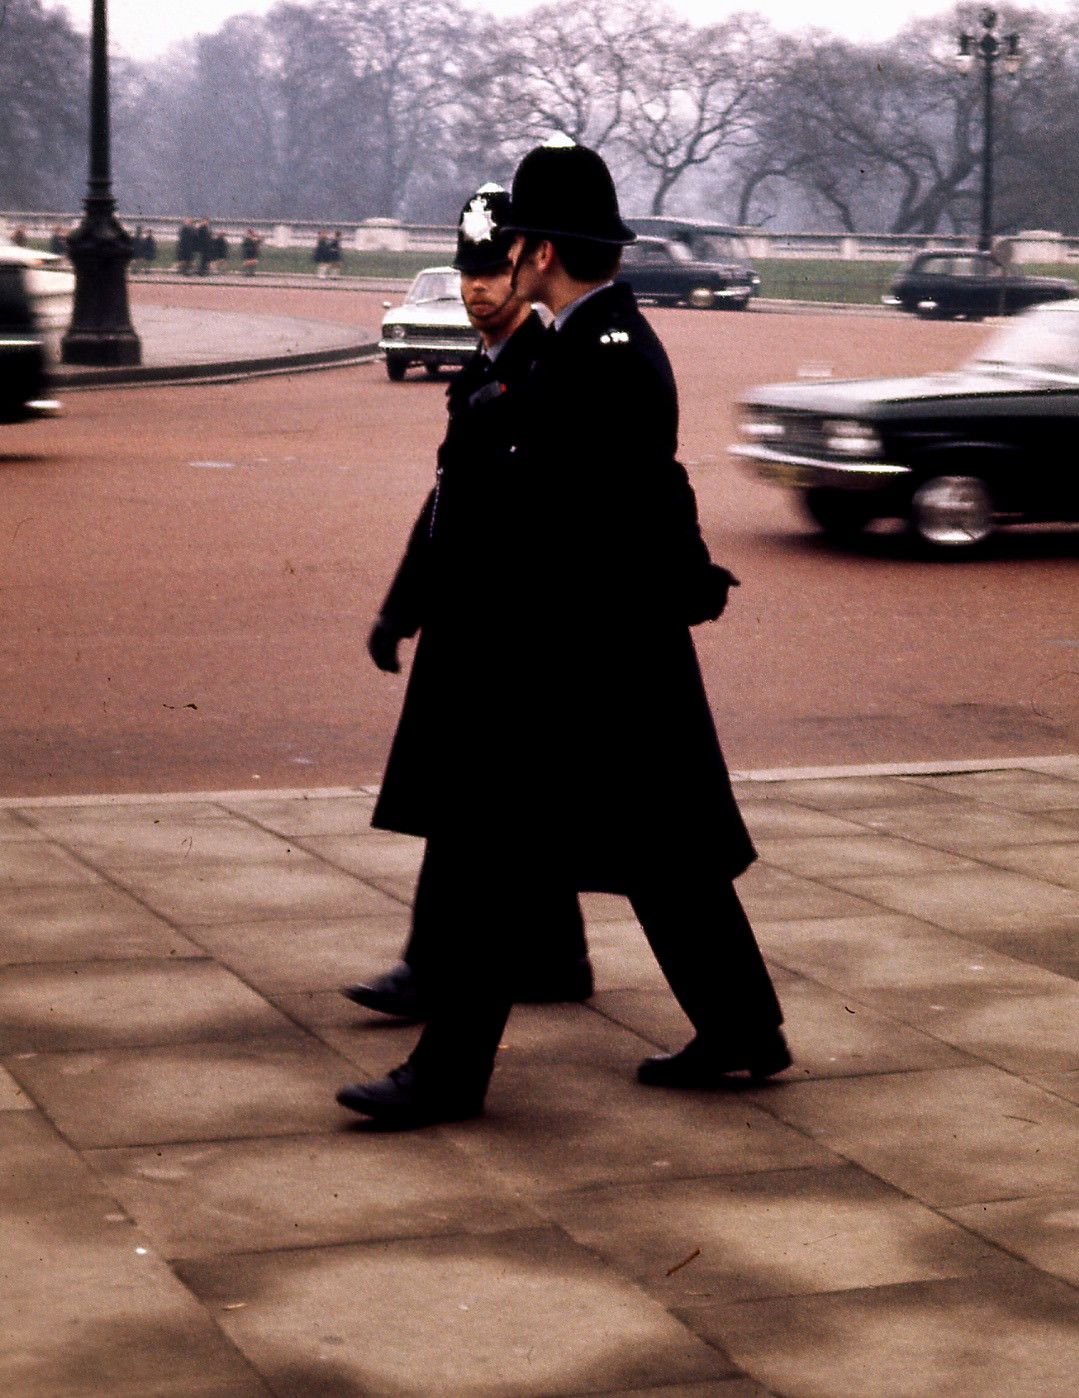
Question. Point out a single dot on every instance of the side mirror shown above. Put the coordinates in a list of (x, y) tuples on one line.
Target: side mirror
[(387, 305)]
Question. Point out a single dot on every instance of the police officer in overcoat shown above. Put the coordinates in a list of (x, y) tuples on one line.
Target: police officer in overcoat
[(554, 961), (586, 756)]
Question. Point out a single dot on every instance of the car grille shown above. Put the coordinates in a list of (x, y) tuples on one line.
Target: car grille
[(802, 433), (464, 336)]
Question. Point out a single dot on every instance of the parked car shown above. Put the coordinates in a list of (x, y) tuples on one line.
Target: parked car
[(430, 328), (665, 270), (22, 353), (955, 456), (948, 285)]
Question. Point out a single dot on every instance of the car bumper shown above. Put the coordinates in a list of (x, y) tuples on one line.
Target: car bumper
[(808, 472), (446, 351)]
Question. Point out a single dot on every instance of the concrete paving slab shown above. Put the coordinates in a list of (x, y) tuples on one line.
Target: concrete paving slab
[(769, 1234), (294, 885), (1017, 1140), (777, 819), (82, 922), (141, 843), (370, 856), (37, 863), (843, 793), (519, 1315), (308, 815), (293, 954), (955, 824), (212, 1198), (1056, 864), (1044, 1231), (772, 893), (110, 1004), (1007, 1331), (852, 856), (12, 1097), (1014, 790), (186, 1092), (928, 1126)]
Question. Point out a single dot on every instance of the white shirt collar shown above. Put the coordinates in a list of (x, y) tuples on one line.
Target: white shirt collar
[(566, 311)]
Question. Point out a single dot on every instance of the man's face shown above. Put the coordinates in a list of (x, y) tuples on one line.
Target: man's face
[(493, 306)]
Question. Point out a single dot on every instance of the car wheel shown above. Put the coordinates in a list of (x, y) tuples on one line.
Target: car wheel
[(952, 514), (841, 514), (396, 367), (701, 299)]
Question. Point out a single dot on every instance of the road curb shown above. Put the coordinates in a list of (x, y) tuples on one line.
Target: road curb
[(1064, 762), (158, 374)]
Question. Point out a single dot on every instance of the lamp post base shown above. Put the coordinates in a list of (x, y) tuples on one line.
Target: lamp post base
[(101, 332)]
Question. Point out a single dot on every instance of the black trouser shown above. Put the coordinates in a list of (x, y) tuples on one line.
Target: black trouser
[(694, 923), (544, 920)]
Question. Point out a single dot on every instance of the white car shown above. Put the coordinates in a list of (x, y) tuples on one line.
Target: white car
[(49, 283), (431, 327)]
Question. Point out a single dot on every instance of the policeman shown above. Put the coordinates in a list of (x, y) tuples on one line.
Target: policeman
[(600, 767), (554, 960)]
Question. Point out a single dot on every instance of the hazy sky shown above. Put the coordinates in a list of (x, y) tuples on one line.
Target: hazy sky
[(143, 27)]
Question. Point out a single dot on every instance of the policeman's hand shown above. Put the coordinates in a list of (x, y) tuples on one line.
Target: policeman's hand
[(382, 646)]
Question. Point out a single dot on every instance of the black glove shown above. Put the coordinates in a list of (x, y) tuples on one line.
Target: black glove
[(382, 646)]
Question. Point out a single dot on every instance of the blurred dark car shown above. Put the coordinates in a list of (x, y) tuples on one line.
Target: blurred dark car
[(949, 285), (667, 271), (22, 354), (955, 456)]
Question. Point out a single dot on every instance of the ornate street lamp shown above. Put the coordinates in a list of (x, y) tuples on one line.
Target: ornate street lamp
[(988, 48), (100, 248)]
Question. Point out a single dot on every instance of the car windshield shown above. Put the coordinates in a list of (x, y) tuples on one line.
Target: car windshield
[(717, 247), (435, 286), (1041, 340)]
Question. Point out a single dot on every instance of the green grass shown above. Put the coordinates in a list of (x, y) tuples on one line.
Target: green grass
[(783, 278)]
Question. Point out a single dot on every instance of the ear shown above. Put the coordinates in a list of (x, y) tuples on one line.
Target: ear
[(545, 256)]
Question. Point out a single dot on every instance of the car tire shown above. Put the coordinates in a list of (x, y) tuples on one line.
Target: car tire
[(840, 514), (952, 515), (396, 367)]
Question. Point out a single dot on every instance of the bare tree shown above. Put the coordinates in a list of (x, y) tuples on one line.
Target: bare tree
[(44, 79), (691, 96)]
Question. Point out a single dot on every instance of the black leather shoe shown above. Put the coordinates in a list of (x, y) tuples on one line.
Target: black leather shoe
[(571, 982), (392, 993), (400, 1102), (706, 1065), (395, 993)]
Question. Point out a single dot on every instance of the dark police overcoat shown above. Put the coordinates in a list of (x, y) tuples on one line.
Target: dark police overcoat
[(555, 692)]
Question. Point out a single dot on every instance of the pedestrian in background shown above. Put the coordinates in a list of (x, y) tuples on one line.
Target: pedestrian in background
[(186, 247), (204, 246), (250, 252), (333, 253), (440, 587), (586, 757), (219, 250)]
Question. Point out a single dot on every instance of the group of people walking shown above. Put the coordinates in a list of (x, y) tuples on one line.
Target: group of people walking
[(555, 735)]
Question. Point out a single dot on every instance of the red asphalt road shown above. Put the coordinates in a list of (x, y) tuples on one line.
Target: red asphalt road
[(188, 575)]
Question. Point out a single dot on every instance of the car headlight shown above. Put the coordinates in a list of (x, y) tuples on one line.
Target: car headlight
[(843, 437), (760, 427), (395, 332)]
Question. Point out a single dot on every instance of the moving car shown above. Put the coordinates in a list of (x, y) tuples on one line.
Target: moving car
[(955, 456), (430, 328), (22, 353), (947, 285), (667, 271)]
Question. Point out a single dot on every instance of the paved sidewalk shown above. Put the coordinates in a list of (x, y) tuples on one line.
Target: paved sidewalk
[(185, 1211), (180, 343)]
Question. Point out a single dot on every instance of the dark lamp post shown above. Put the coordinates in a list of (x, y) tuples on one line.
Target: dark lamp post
[(989, 48), (100, 249)]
